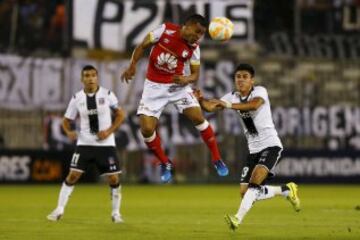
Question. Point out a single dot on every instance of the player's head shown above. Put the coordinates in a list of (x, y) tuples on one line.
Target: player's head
[(244, 77), (194, 28), (89, 77)]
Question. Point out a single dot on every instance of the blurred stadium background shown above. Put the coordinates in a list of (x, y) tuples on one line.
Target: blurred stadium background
[(306, 52)]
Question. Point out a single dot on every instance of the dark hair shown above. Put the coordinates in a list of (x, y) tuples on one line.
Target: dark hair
[(197, 18), (87, 68), (245, 67)]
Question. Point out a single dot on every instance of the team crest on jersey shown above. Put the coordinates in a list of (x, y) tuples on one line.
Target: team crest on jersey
[(166, 40), (185, 53), (169, 32), (101, 101)]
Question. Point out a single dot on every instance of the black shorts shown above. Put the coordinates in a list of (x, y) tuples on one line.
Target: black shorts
[(105, 159), (268, 157)]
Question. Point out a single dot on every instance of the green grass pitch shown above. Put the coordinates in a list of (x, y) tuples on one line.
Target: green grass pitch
[(174, 212)]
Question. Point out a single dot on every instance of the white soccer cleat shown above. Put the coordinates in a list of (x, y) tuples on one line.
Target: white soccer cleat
[(116, 218), (55, 215)]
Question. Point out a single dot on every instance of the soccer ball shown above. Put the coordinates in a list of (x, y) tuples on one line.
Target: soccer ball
[(221, 29)]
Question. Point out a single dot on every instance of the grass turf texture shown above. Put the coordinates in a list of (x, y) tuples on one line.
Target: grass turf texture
[(177, 212)]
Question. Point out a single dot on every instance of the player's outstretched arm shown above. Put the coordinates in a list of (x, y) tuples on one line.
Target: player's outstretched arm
[(138, 53), (66, 125), (251, 105), (209, 105), (118, 120)]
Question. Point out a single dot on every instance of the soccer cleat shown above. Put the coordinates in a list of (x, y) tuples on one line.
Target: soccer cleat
[(116, 218), (166, 175), (293, 196), (221, 168), (232, 221), (55, 215)]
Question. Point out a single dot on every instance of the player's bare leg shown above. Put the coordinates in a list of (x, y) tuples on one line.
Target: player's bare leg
[(64, 195), (115, 191), (207, 134), (148, 126)]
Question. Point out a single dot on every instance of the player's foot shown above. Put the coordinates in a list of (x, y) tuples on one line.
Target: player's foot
[(293, 196), (166, 175), (55, 215), (116, 218), (221, 168), (232, 221)]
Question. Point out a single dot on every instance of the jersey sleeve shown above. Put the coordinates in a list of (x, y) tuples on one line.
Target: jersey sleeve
[(261, 92), (113, 101), (156, 33), (71, 111), (227, 97), (195, 58)]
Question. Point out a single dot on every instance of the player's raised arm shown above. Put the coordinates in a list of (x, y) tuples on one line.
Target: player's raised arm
[(138, 52)]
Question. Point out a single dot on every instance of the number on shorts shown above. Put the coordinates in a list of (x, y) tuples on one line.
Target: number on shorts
[(75, 159), (244, 172)]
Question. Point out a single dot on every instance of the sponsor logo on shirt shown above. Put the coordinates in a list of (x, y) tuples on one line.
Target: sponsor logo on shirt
[(92, 112), (166, 62), (245, 114)]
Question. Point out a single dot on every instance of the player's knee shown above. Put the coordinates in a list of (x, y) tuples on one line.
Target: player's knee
[(72, 178), (198, 120), (243, 191), (147, 130), (113, 180)]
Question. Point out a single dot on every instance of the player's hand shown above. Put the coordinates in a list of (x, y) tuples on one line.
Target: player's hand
[(218, 104), (128, 74), (103, 134), (72, 135), (198, 94), (179, 79)]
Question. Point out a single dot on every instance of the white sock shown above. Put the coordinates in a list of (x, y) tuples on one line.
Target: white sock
[(64, 195), (115, 199), (247, 202), (285, 190), (267, 192)]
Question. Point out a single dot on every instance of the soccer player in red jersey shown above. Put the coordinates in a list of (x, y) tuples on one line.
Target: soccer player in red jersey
[(174, 47)]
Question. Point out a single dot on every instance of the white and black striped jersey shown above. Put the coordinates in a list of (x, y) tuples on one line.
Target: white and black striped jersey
[(95, 115), (258, 125)]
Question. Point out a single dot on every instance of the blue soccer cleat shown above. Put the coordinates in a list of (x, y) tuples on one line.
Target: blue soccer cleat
[(221, 168), (166, 168)]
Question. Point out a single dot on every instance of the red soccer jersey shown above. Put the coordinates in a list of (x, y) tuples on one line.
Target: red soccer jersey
[(169, 55)]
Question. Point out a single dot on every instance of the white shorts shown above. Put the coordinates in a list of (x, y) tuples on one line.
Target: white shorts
[(156, 96)]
